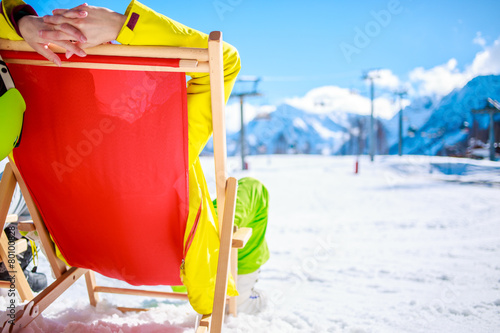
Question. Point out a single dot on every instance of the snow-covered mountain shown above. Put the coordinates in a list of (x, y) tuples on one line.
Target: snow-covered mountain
[(290, 130), (415, 116), (430, 127), (451, 123)]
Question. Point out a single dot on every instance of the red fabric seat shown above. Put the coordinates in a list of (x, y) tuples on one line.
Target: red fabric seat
[(105, 156)]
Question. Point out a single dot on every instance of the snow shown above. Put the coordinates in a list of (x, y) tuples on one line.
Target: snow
[(300, 124), (403, 246)]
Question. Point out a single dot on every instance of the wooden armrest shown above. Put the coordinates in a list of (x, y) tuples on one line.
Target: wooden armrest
[(5, 284), (205, 320), (21, 246), (12, 218), (26, 226), (241, 237)]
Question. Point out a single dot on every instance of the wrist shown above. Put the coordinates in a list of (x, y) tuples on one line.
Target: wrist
[(118, 22), (23, 23), (18, 13)]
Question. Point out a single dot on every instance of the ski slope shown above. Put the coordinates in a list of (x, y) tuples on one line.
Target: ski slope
[(399, 247)]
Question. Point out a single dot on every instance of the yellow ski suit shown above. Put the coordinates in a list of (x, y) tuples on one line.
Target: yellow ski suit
[(146, 27)]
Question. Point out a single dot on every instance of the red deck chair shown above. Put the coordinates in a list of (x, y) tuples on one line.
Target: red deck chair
[(103, 166)]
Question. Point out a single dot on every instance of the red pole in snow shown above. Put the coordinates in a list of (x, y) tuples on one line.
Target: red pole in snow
[(356, 169)]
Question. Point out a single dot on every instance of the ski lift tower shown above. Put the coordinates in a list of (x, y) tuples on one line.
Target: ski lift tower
[(401, 93), (491, 108), (245, 86), (371, 76)]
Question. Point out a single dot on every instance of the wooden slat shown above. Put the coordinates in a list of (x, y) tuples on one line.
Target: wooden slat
[(206, 320), (125, 309), (26, 226), (167, 52), (21, 245), (241, 237), (7, 187), (232, 301), (148, 293), (11, 218), (47, 297), (218, 119), (54, 290), (57, 265), (189, 63), (201, 329), (224, 257), (91, 285), (21, 283), (199, 68)]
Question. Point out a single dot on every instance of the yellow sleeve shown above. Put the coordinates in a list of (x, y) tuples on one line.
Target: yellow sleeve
[(146, 27), (7, 30)]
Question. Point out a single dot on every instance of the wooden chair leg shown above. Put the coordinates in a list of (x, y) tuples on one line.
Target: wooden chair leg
[(224, 257), (233, 304), (12, 264), (7, 186), (204, 324), (44, 299), (91, 285), (57, 265)]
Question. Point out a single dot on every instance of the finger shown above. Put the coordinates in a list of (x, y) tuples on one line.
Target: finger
[(76, 14), (83, 5), (59, 11), (73, 32), (85, 45), (62, 11), (70, 13), (64, 32), (53, 35), (55, 19), (47, 53), (73, 48)]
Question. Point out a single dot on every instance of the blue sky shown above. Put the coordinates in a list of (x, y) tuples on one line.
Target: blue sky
[(296, 46)]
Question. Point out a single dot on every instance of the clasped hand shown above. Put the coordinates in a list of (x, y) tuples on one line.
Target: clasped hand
[(72, 29)]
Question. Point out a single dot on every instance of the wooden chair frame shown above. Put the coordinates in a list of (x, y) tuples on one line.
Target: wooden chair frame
[(201, 60), (8, 257)]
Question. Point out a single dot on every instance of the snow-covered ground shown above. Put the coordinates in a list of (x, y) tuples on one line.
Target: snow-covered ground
[(399, 247)]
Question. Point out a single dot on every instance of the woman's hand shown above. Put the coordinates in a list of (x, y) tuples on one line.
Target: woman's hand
[(99, 25), (39, 34)]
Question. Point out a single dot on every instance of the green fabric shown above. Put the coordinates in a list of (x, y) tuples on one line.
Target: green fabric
[(12, 107), (251, 212)]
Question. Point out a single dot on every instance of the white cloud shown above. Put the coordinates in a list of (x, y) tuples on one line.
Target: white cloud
[(336, 99), (385, 79), (479, 40), (442, 79), (439, 80), (487, 61)]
